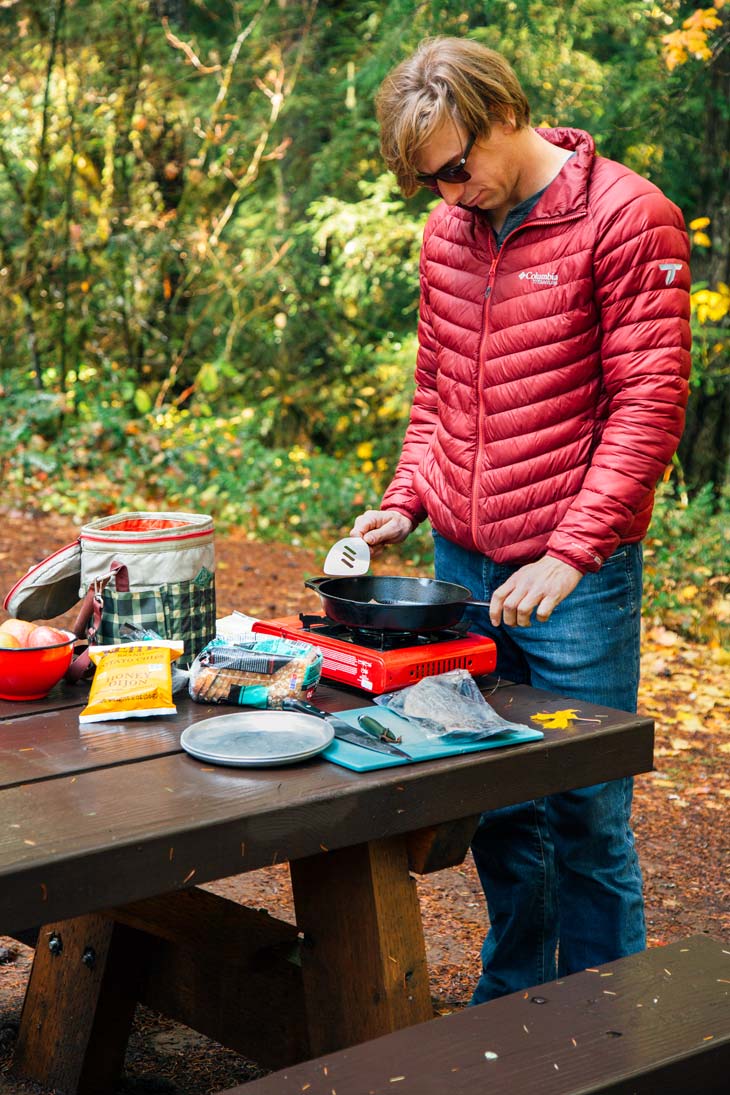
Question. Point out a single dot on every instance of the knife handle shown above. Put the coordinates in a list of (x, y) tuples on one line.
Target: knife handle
[(377, 729), (304, 707)]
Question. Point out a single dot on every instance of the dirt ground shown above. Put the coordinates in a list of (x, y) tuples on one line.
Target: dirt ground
[(680, 820)]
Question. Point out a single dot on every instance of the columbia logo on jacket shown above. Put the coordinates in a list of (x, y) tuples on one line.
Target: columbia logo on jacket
[(541, 279)]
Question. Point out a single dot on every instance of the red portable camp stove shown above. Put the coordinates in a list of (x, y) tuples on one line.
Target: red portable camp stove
[(379, 661)]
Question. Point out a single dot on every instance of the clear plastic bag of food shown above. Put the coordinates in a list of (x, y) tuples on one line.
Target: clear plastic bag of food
[(448, 707), (132, 633), (255, 671)]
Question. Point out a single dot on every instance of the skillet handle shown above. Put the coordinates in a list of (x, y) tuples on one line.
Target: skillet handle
[(479, 604), (314, 583)]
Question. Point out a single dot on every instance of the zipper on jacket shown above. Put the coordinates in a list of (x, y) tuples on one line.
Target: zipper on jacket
[(482, 356), (480, 388)]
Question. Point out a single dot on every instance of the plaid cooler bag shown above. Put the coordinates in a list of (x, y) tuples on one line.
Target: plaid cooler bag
[(151, 570)]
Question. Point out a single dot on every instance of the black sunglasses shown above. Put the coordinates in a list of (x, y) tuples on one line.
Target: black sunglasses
[(454, 173)]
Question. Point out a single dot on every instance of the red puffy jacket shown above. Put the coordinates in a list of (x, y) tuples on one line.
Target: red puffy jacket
[(552, 375)]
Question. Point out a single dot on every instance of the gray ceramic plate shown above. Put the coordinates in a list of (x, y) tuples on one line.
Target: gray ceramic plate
[(261, 738)]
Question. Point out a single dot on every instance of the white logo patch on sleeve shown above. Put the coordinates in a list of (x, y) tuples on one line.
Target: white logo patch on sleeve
[(672, 268)]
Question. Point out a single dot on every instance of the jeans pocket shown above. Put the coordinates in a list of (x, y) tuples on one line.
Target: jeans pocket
[(618, 556)]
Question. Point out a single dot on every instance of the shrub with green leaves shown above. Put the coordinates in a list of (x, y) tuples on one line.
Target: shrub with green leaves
[(686, 574)]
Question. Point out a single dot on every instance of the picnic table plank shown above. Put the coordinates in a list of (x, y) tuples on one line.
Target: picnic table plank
[(657, 1021), (48, 742), (61, 695)]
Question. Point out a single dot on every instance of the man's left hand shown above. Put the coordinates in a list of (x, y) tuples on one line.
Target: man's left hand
[(541, 585)]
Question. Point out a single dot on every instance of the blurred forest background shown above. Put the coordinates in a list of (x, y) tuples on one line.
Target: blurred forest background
[(208, 282)]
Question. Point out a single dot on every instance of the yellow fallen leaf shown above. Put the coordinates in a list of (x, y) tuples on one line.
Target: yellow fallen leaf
[(663, 637), (680, 743), (724, 748), (556, 720), (689, 720)]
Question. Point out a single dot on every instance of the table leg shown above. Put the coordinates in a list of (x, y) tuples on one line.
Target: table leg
[(364, 959), (79, 1005)]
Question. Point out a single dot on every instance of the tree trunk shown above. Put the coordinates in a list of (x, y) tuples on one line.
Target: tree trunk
[(705, 447), (718, 149)]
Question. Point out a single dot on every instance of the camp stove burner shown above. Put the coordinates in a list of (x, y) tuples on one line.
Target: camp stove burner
[(379, 661), (375, 638)]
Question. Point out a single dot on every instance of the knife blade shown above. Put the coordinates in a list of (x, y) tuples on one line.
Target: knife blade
[(344, 731)]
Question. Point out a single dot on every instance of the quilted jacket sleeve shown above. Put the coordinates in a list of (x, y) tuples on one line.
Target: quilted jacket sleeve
[(642, 279), (400, 495)]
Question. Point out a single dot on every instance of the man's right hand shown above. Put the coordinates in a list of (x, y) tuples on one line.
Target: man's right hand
[(382, 526)]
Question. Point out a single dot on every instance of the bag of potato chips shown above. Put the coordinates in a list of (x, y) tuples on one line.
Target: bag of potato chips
[(133, 680)]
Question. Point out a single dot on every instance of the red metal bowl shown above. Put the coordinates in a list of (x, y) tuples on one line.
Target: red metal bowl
[(29, 673)]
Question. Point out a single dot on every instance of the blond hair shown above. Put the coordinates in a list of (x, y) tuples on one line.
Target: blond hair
[(446, 79)]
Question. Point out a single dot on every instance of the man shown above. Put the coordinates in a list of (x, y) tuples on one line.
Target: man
[(551, 382)]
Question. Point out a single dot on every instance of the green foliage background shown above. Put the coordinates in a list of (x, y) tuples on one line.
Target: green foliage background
[(208, 285)]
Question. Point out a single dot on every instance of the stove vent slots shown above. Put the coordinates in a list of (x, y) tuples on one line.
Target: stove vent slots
[(444, 665)]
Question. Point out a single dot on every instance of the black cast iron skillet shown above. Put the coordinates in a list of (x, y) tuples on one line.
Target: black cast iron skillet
[(393, 604)]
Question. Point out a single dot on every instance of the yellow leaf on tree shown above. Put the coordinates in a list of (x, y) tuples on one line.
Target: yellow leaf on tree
[(556, 720), (702, 239), (699, 222), (702, 19)]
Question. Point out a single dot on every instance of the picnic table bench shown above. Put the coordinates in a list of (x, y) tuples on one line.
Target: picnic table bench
[(658, 1021), (106, 832)]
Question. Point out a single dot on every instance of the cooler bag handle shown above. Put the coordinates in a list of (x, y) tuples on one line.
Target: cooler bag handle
[(88, 621)]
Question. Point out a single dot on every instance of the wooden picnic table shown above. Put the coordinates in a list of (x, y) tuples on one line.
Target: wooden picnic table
[(107, 830)]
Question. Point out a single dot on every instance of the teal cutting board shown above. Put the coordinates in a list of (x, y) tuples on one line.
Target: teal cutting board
[(365, 760)]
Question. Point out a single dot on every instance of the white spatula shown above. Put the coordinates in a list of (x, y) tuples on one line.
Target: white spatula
[(348, 558)]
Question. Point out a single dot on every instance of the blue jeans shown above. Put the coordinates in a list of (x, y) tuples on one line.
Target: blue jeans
[(560, 874)]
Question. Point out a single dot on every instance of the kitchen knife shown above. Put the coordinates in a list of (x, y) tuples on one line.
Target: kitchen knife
[(345, 732)]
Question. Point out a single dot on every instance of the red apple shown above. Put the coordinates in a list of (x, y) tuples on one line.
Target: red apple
[(46, 636), (21, 629), (8, 641)]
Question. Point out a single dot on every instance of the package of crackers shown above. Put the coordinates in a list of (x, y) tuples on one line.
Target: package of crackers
[(255, 671)]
